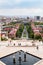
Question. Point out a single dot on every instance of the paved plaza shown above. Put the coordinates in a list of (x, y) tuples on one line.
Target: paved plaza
[(6, 50)]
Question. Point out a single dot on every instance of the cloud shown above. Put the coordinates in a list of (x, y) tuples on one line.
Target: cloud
[(3, 1), (24, 7), (21, 12), (16, 1), (20, 4), (20, 1)]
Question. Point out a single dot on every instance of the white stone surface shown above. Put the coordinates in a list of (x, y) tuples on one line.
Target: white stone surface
[(6, 50), (1, 63)]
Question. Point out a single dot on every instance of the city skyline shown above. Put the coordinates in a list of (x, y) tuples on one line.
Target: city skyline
[(21, 7)]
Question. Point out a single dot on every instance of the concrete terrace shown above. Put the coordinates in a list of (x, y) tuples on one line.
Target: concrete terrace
[(4, 50)]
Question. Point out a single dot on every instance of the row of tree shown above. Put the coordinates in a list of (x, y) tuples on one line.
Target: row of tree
[(38, 23), (31, 33), (20, 30)]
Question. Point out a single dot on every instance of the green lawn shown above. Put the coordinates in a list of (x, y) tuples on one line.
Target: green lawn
[(24, 35)]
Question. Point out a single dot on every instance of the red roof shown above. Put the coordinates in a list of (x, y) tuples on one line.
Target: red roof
[(7, 29), (13, 31)]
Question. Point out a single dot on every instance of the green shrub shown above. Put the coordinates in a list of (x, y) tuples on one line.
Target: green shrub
[(4, 39)]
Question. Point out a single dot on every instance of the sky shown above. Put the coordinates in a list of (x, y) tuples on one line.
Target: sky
[(21, 7)]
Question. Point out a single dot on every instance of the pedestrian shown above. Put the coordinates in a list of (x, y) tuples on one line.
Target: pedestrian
[(37, 47)]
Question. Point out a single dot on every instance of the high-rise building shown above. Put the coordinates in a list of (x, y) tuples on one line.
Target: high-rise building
[(37, 18)]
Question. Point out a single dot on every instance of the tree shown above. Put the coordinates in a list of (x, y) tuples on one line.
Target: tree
[(19, 31), (38, 37)]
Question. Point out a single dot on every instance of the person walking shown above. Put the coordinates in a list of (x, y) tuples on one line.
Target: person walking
[(37, 47)]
